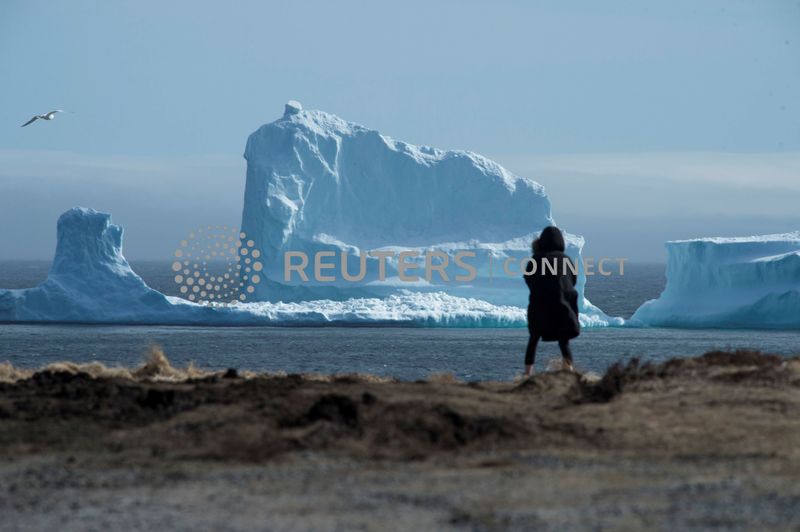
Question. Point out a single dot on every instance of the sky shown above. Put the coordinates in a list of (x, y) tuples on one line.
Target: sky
[(645, 121)]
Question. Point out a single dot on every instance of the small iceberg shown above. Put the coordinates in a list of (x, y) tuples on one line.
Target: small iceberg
[(745, 282)]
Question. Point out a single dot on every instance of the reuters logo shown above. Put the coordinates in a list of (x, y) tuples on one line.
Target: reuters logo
[(217, 264)]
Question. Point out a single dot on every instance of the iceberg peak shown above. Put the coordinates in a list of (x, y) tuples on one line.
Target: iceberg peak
[(292, 107), (87, 238)]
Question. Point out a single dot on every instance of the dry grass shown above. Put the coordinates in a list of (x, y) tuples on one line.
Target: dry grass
[(157, 368)]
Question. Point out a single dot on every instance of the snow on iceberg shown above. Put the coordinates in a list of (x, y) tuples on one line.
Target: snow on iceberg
[(91, 282), (747, 282), (317, 183)]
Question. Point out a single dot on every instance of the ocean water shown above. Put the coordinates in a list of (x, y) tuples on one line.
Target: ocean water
[(405, 353)]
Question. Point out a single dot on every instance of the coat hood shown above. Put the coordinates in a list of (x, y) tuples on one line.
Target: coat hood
[(550, 240)]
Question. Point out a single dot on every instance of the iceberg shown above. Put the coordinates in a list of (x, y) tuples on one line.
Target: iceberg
[(745, 282), (91, 282), (319, 184)]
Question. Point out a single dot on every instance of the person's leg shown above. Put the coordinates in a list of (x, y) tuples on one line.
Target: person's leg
[(530, 353), (566, 354)]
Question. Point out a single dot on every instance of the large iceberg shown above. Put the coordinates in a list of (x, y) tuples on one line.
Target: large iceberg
[(749, 282), (317, 183)]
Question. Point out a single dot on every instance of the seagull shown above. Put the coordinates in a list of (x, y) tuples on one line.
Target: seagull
[(46, 116)]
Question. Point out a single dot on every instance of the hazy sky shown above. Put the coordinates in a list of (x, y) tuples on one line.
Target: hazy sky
[(645, 121)]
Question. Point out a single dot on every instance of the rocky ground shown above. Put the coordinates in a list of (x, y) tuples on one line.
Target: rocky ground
[(708, 442)]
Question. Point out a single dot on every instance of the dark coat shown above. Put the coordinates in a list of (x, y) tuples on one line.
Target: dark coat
[(553, 301)]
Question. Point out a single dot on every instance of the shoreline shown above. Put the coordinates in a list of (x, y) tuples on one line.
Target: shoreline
[(718, 434)]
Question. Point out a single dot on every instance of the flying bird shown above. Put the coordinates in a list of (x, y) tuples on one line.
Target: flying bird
[(46, 116)]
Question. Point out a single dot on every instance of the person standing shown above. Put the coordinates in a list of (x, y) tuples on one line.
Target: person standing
[(553, 302)]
